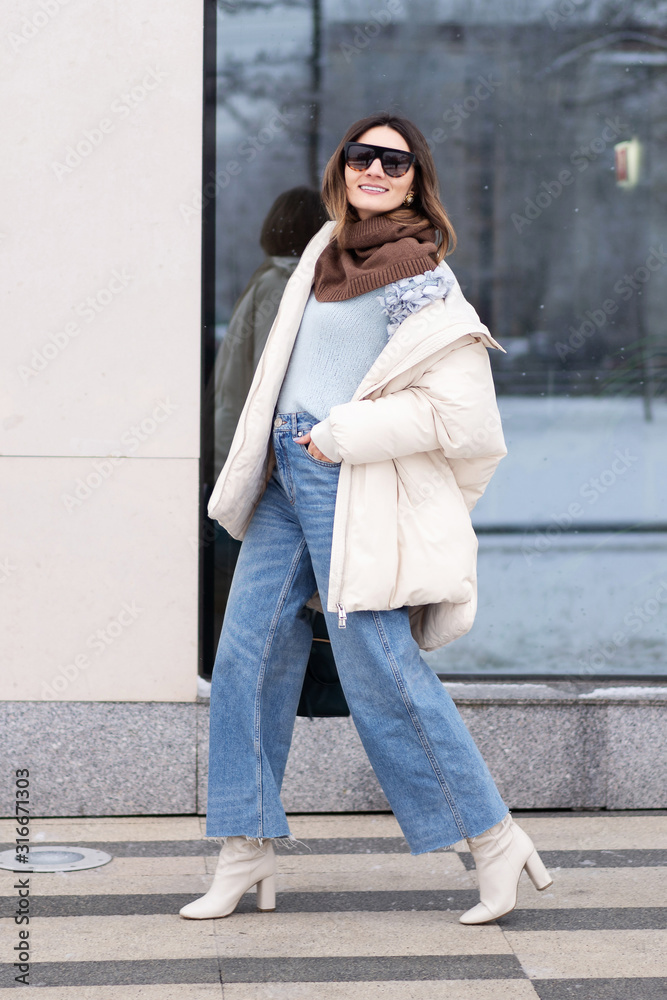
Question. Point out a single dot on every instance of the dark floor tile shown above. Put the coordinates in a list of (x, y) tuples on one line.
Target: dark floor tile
[(185, 970), (361, 969), (586, 919), (262, 970), (368, 845), (593, 859), (288, 902), (600, 989)]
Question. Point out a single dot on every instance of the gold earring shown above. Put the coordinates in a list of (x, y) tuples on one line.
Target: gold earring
[(409, 198)]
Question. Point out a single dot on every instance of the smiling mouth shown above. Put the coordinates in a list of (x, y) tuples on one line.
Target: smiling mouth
[(372, 189)]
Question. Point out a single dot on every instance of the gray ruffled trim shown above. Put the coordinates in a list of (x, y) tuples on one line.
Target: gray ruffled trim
[(407, 296)]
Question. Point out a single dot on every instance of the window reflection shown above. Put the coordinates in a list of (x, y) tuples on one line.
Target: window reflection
[(548, 132), (292, 221)]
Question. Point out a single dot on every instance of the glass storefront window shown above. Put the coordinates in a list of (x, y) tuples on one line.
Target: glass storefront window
[(547, 123)]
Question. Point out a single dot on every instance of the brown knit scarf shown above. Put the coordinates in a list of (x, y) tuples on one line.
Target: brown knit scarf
[(372, 253)]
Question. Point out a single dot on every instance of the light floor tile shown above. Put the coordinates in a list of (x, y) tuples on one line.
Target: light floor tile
[(296, 873), (107, 828), (596, 833), (590, 954), (127, 875), (177, 991), (168, 936), (129, 886), (374, 872), (123, 938), (368, 872), (344, 825), (354, 933), (480, 989), (456, 989), (597, 887), (572, 888)]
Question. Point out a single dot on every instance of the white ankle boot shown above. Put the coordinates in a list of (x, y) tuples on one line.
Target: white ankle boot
[(242, 864), (501, 854)]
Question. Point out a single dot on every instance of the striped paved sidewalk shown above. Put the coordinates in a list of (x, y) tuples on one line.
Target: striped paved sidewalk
[(358, 917)]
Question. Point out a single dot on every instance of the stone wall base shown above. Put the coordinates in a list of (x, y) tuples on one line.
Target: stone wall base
[(562, 745)]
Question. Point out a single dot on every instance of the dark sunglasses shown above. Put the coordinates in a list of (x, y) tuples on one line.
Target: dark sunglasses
[(395, 162)]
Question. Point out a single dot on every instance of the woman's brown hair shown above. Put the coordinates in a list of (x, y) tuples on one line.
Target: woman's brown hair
[(426, 204)]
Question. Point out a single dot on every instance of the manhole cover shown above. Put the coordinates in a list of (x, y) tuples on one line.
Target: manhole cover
[(52, 858)]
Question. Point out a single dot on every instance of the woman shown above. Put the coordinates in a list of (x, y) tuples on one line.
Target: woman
[(369, 432)]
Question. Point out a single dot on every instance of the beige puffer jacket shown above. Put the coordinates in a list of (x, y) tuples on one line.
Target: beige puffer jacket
[(419, 443)]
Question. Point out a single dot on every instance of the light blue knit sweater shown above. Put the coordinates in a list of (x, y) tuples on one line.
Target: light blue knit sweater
[(338, 342)]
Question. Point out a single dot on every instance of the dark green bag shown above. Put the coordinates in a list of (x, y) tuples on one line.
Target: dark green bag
[(322, 693)]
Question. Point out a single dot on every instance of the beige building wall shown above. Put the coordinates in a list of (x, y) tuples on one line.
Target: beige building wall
[(101, 123)]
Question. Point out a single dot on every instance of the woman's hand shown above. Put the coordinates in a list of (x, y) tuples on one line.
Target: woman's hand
[(312, 448)]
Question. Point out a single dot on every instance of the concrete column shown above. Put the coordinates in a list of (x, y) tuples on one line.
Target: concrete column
[(101, 125)]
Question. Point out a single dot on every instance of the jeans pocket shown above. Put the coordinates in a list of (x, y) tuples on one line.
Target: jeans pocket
[(316, 461)]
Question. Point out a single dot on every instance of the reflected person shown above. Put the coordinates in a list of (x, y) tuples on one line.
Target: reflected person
[(293, 219)]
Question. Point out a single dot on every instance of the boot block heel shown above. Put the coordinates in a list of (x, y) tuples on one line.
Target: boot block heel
[(537, 873), (266, 894)]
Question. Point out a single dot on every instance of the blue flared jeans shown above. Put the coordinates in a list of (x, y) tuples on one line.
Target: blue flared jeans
[(426, 761)]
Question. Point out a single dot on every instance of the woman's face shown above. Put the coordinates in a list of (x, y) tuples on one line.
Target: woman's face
[(371, 191)]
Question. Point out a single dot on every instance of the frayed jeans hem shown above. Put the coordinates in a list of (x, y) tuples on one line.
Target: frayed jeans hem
[(467, 836), (285, 840)]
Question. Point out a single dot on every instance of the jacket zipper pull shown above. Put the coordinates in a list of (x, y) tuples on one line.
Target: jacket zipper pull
[(342, 616)]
